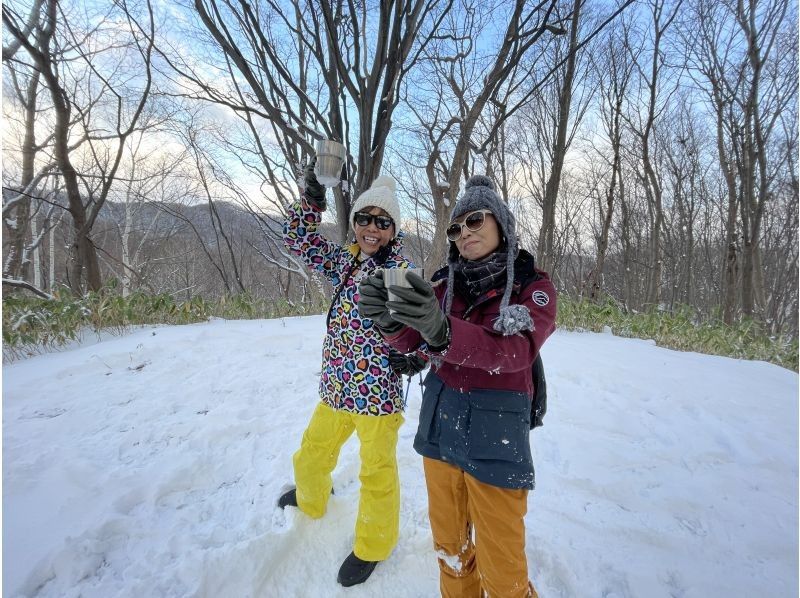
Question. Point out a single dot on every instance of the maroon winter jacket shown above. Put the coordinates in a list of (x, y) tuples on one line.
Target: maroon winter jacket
[(476, 403)]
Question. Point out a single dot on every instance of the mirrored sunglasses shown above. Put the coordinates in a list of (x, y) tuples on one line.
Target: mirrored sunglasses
[(474, 221), (364, 219)]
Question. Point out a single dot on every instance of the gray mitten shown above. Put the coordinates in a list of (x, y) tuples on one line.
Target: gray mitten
[(372, 303), (315, 192), (420, 309)]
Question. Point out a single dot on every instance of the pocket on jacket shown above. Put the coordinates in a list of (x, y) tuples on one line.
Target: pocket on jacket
[(498, 427), (427, 431)]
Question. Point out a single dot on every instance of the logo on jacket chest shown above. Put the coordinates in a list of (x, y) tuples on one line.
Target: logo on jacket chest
[(540, 298)]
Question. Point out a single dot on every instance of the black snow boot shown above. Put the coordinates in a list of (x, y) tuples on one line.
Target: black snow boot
[(355, 571), (289, 498)]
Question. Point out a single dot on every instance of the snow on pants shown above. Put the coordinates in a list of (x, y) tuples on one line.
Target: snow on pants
[(494, 564), (378, 522)]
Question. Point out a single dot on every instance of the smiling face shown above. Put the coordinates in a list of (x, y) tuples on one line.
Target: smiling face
[(370, 238), (476, 245)]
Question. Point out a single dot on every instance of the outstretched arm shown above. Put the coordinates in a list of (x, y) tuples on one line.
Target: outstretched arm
[(300, 228)]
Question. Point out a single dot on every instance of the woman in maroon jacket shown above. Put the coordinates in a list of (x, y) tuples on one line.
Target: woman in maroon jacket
[(482, 322)]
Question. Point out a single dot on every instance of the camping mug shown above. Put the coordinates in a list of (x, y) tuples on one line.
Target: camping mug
[(397, 277), (330, 159)]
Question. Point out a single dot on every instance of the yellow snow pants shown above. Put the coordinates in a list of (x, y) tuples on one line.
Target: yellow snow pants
[(494, 564), (378, 522)]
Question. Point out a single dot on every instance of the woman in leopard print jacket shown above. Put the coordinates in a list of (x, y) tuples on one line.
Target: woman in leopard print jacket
[(359, 390)]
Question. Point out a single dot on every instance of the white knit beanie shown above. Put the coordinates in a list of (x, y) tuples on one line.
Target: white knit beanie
[(381, 194)]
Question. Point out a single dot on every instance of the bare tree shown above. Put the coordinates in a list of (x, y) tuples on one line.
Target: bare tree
[(221, 252), (655, 97), (564, 120), (470, 87), (743, 53), (686, 184), (306, 67), (63, 54), (766, 95), (147, 182), (24, 81), (613, 71)]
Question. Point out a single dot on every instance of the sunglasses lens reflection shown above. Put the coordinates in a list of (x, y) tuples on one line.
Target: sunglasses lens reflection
[(473, 222), (364, 219), (454, 232)]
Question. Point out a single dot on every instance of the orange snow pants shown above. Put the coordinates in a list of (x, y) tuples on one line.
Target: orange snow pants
[(378, 522), (494, 564)]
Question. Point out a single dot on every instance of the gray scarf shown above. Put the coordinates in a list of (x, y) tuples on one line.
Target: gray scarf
[(476, 278), (483, 276)]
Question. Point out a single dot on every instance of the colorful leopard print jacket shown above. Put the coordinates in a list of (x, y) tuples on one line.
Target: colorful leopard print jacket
[(356, 375)]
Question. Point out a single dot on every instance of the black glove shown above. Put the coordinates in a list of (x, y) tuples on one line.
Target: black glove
[(372, 303), (420, 309), (406, 364), (314, 192)]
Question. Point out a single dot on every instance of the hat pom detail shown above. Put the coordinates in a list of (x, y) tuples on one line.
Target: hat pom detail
[(384, 181), (513, 319), (479, 180)]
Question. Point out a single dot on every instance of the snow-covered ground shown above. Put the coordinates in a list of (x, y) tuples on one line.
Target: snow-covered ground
[(149, 465)]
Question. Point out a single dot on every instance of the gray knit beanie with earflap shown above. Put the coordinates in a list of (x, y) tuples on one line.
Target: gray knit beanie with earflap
[(480, 194)]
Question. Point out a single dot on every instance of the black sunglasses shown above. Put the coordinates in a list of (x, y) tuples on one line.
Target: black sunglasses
[(474, 222), (364, 219)]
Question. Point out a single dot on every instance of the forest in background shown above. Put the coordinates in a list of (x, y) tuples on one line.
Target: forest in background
[(648, 149)]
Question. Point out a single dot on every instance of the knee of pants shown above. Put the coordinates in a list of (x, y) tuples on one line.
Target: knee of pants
[(380, 471), (323, 437), (319, 448), (378, 438), (456, 561)]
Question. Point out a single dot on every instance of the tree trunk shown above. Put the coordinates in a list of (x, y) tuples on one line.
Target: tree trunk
[(82, 251), (125, 240), (656, 263), (14, 266), (51, 274), (546, 246), (731, 269), (37, 259), (626, 248), (596, 283)]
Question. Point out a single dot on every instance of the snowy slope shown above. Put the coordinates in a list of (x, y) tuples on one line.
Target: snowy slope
[(149, 465)]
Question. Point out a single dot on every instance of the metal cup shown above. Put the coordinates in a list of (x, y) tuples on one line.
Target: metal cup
[(330, 159), (397, 277)]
